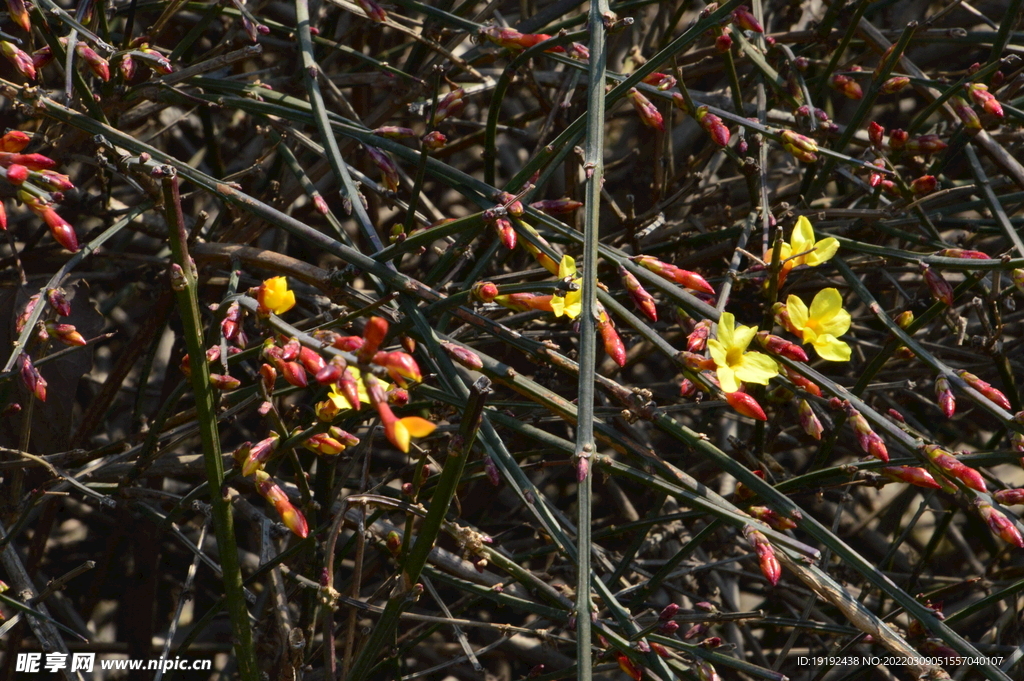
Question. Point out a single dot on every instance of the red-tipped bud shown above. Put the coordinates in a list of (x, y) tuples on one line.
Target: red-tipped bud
[(65, 333), (463, 356), (293, 372), (61, 231), (398, 397), (713, 126), (875, 134), (687, 388), (393, 132), (803, 148), (999, 523), (894, 85), (613, 345), (53, 181), (31, 377), (770, 567), (126, 66), (373, 335), (506, 232), (290, 516), (268, 376), (324, 444), (985, 99), (686, 278), (949, 463), (347, 343), (745, 405), (311, 360), (231, 324), (400, 365), (802, 382), (1009, 497), (668, 612), (898, 139), (97, 64), (643, 300), (556, 206), (915, 476), (662, 81), (809, 420), (939, 287), (723, 43), (19, 13), (771, 518), (648, 113), (17, 173), (450, 105), (925, 184), (373, 11), (349, 387), (21, 60), (698, 338), (743, 18), (780, 346), (925, 144), (290, 349), (846, 86), (434, 140), (331, 372), (22, 319), (387, 167), (705, 670), (485, 291), (965, 113), (627, 665), (224, 382), (945, 397), (258, 454), (962, 253), (868, 439), (992, 394)]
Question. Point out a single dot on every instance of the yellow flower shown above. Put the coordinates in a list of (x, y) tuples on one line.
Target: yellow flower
[(274, 296), (822, 325), (572, 303), (733, 362), (806, 250), (336, 402)]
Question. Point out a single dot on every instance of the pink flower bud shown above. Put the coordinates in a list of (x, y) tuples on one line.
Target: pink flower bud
[(311, 360), (771, 518), (434, 140), (723, 43), (686, 278), (127, 67), (324, 444), (925, 184), (809, 420), (949, 463), (780, 346), (713, 126), (401, 366), (31, 377), (21, 60), (770, 567), (61, 231), (349, 387), (985, 99), (268, 376), (698, 338), (373, 11), (868, 439), (613, 345), (19, 13), (846, 86), (643, 300), (898, 139), (746, 20), (668, 612), (66, 334), (961, 253), (387, 167), (1009, 497), (965, 113), (944, 396), (224, 382), (451, 105), (17, 173), (745, 405), (97, 64), (999, 523), (992, 394), (556, 206), (939, 287), (394, 132), (894, 85), (290, 516), (915, 476), (231, 324), (875, 134), (290, 349), (258, 454), (629, 667), (803, 383), (506, 232), (803, 148), (647, 111), (485, 291), (925, 144), (662, 81), (463, 356)]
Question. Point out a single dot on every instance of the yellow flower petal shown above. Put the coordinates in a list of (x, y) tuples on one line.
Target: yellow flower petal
[(718, 352), (727, 377), (831, 348), (726, 327), (558, 305), (275, 296), (418, 427), (742, 335), (573, 303), (567, 268), (823, 252), (797, 311), (756, 367), (802, 238), (827, 302)]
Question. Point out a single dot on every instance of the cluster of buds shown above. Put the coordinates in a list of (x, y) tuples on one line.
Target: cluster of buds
[(685, 278), (770, 567), (985, 99), (937, 286), (945, 397), (713, 126), (869, 441), (802, 148), (948, 463), (613, 345), (647, 111), (915, 476), (643, 300), (990, 393), (846, 86), (999, 523)]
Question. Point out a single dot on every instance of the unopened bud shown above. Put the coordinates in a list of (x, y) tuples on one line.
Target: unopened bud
[(847, 86), (875, 134), (743, 18), (925, 184), (939, 287), (991, 393), (965, 113), (647, 111), (915, 476), (463, 356), (746, 405), (944, 396), (999, 523), (713, 125), (893, 85), (809, 420), (770, 567)]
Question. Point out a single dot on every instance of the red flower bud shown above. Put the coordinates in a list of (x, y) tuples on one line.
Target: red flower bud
[(373, 11), (662, 81), (258, 454), (686, 278), (802, 382), (17, 173), (746, 20), (19, 13), (875, 134), (450, 105), (780, 346), (949, 463), (373, 335), (463, 356), (485, 291), (803, 148), (434, 140), (21, 60), (647, 111), (629, 667), (61, 231), (868, 439), (745, 405), (992, 394), (985, 99), (643, 300), (506, 232), (311, 360), (723, 43), (331, 372), (613, 345), (223, 382), (97, 64), (713, 126), (1009, 497), (290, 349), (847, 86), (925, 184), (290, 516), (770, 567), (939, 287), (898, 139), (894, 85), (231, 324), (925, 144), (771, 518), (65, 333), (400, 365), (698, 338), (387, 167), (556, 206), (393, 132), (944, 396), (999, 523), (961, 253), (31, 377), (915, 476), (965, 113), (349, 387), (268, 376), (809, 420)]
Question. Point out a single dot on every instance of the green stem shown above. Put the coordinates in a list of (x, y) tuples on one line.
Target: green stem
[(223, 521)]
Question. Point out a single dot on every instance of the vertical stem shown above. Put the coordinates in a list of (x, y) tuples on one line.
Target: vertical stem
[(188, 306), (594, 168)]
